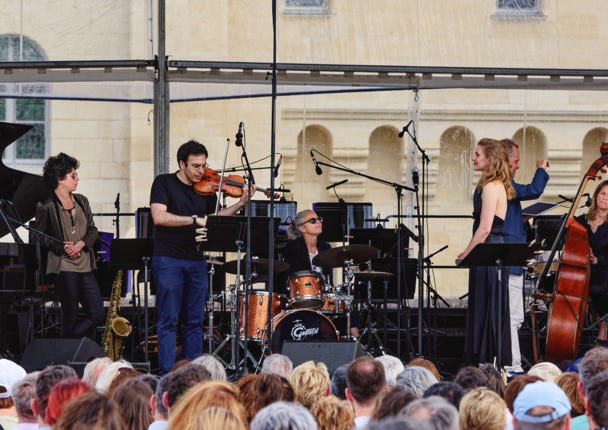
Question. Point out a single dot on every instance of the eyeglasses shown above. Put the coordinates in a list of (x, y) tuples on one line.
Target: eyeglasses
[(313, 220), (73, 175)]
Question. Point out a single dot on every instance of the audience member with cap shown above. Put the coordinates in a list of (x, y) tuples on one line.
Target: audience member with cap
[(10, 372), (541, 405)]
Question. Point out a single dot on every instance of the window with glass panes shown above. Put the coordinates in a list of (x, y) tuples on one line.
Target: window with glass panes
[(27, 109)]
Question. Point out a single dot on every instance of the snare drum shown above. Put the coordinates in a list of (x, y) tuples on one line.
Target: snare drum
[(333, 304), (257, 317), (299, 326), (306, 290)]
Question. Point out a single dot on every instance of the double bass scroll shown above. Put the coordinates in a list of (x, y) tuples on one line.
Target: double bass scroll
[(569, 306)]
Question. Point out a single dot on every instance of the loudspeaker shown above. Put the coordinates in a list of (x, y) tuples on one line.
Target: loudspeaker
[(41, 352), (333, 354)]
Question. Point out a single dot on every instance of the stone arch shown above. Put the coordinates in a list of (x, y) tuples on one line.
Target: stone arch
[(385, 161), (455, 168), (591, 152), (532, 146)]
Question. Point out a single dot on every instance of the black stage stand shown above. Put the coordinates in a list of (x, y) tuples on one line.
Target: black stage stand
[(499, 255), (134, 254)]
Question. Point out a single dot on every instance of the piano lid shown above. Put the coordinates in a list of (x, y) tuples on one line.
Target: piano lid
[(23, 189)]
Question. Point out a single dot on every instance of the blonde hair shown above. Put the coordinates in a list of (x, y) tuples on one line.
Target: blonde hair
[(482, 409), (331, 413), (498, 158), (185, 413), (217, 417), (568, 381), (310, 381)]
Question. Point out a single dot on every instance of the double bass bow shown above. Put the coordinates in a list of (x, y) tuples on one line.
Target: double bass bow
[(568, 308)]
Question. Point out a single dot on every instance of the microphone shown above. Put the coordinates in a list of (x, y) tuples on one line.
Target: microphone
[(276, 168), (239, 135), (588, 202), (415, 177), (316, 163), (567, 199), (402, 132), (343, 181)]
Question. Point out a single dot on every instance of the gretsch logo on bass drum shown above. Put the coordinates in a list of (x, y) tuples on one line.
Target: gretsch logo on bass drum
[(300, 332)]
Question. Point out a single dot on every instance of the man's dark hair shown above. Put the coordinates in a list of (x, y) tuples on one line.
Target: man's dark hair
[(180, 380), (450, 391), (191, 147), (597, 396), (470, 377), (45, 382), (365, 379), (338, 382), (161, 387), (57, 167)]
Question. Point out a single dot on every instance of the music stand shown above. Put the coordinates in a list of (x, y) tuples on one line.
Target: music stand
[(499, 255), (132, 254), (384, 239)]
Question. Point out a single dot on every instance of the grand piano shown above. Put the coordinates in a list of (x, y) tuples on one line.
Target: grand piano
[(19, 269)]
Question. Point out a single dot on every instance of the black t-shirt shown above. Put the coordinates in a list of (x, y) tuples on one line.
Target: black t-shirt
[(180, 199)]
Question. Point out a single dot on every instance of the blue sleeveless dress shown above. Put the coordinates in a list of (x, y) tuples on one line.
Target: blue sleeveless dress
[(482, 310)]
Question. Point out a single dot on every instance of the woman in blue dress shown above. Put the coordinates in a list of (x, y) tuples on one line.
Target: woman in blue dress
[(487, 299)]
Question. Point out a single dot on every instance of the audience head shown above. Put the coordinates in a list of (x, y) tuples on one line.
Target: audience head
[(160, 410), (450, 391), (180, 380), (435, 411), (392, 367), (597, 399), (213, 365), (541, 404), (283, 416), (217, 417), (61, 394), (391, 402), (184, 414), (136, 394), (93, 369), (310, 381), (332, 413), (365, 380), (288, 394), (23, 392), (427, 364), (568, 381), (124, 374), (108, 374), (257, 391), (398, 423), (470, 377), (337, 384), (497, 383), (10, 372), (416, 379), (515, 386), (482, 409), (545, 370), (150, 379), (44, 384), (278, 364), (91, 411), (594, 362)]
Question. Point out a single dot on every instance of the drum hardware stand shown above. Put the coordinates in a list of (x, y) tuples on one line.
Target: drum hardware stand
[(371, 327)]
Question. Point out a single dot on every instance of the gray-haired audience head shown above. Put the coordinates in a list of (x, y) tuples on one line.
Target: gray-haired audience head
[(392, 368), (44, 383), (337, 385), (93, 369), (278, 364), (180, 380), (594, 361), (416, 379), (161, 410), (213, 365), (283, 416), (22, 393), (450, 391), (398, 423), (435, 411)]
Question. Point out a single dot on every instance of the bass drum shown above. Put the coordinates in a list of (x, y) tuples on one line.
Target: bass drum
[(299, 326)]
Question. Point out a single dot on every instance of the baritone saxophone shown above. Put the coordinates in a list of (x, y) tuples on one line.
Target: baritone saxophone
[(117, 328)]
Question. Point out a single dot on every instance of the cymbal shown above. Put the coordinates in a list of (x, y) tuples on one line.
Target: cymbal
[(335, 257), (372, 274), (258, 265), (215, 262)]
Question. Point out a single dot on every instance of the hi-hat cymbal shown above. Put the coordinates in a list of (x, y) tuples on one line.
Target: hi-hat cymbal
[(372, 274), (258, 265), (335, 257)]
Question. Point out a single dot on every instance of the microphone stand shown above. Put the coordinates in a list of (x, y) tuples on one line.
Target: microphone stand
[(420, 212), (117, 219), (399, 191)]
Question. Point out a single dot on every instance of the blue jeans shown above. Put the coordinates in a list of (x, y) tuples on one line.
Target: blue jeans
[(181, 285)]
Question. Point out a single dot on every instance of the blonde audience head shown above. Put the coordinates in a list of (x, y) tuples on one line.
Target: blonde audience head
[(310, 381), (332, 413), (482, 409)]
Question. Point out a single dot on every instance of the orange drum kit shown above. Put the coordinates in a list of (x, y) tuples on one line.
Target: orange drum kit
[(313, 303)]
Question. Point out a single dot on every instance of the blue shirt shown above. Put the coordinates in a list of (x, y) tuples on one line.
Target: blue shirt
[(514, 229)]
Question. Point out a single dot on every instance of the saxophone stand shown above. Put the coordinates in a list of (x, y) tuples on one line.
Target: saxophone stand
[(135, 254), (500, 255)]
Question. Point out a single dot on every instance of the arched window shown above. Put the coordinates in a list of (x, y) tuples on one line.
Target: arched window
[(22, 106), (532, 146), (455, 183)]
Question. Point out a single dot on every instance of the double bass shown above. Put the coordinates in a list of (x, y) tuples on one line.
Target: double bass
[(568, 308)]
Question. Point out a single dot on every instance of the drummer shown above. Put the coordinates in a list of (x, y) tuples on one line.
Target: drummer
[(304, 245)]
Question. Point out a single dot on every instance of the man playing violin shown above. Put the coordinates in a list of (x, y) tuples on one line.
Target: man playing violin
[(179, 270)]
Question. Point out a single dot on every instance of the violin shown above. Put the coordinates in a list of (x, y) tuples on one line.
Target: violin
[(232, 185)]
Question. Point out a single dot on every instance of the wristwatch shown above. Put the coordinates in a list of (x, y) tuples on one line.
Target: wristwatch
[(194, 217)]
